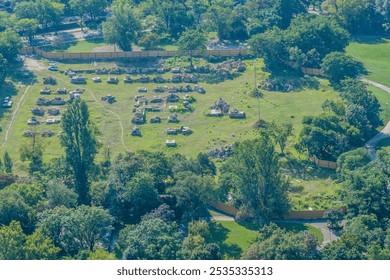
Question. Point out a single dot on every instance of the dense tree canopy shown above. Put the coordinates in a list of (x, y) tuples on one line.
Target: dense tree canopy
[(152, 239), (339, 66), (275, 243), (259, 188), (74, 230), (123, 27), (312, 37)]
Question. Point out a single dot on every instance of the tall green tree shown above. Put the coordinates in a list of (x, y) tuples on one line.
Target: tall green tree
[(140, 197), (194, 194), (358, 16), (91, 7), (39, 247), (10, 45), (79, 140), (16, 245), (32, 151), (60, 195), (256, 182), (275, 243), (12, 240), (192, 41), (50, 11), (74, 230), (281, 132), (152, 239), (338, 66), (366, 192), (123, 27), (3, 69), (27, 10), (28, 27), (7, 161), (326, 136)]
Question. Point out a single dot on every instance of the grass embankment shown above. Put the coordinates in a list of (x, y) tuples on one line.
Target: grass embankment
[(235, 238)]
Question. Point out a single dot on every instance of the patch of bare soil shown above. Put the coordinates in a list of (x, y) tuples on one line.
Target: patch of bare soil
[(33, 64)]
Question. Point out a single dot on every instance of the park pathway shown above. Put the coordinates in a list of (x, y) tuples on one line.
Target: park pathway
[(13, 117), (385, 132)]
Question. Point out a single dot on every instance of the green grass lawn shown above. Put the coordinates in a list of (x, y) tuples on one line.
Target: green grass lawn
[(235, 238), (314, 194), (76, 47), (208, 132), (297, 227), (384, 100), (383, 144), (374, 52)]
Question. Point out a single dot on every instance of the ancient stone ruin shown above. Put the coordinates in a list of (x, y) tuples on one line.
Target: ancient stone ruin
[(45, 90), (136, 131), (53, 111), (49, 80), (127, 79), (173, 118), (139, 118), (37, 111), (221, 105), (236, 114), (112, 80), (79, 79), (62, 91), (109, 98), (33, 121), (155, 119), (222, 153)]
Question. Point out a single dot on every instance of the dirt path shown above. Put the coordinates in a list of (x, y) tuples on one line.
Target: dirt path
[(385, 132), (111, 112), (13, 117), (34, 65)]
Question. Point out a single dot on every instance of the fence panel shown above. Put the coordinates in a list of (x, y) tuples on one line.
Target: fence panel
[(132, 54)]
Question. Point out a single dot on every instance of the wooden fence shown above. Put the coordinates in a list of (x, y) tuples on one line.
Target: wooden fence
[(128, 55), (324, 163), (309, 214), (313, 71)]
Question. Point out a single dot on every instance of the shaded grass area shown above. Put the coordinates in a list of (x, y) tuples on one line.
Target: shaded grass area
[(316, 194), (235, 238), (75, 46), (374, 52), (298, 227), (383, 144), (384, 100)]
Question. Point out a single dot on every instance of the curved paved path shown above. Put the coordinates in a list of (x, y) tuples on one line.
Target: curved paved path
[(385, 132)]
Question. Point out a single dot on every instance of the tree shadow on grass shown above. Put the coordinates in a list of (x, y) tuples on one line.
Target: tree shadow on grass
[(219, 235), (369, 39)]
